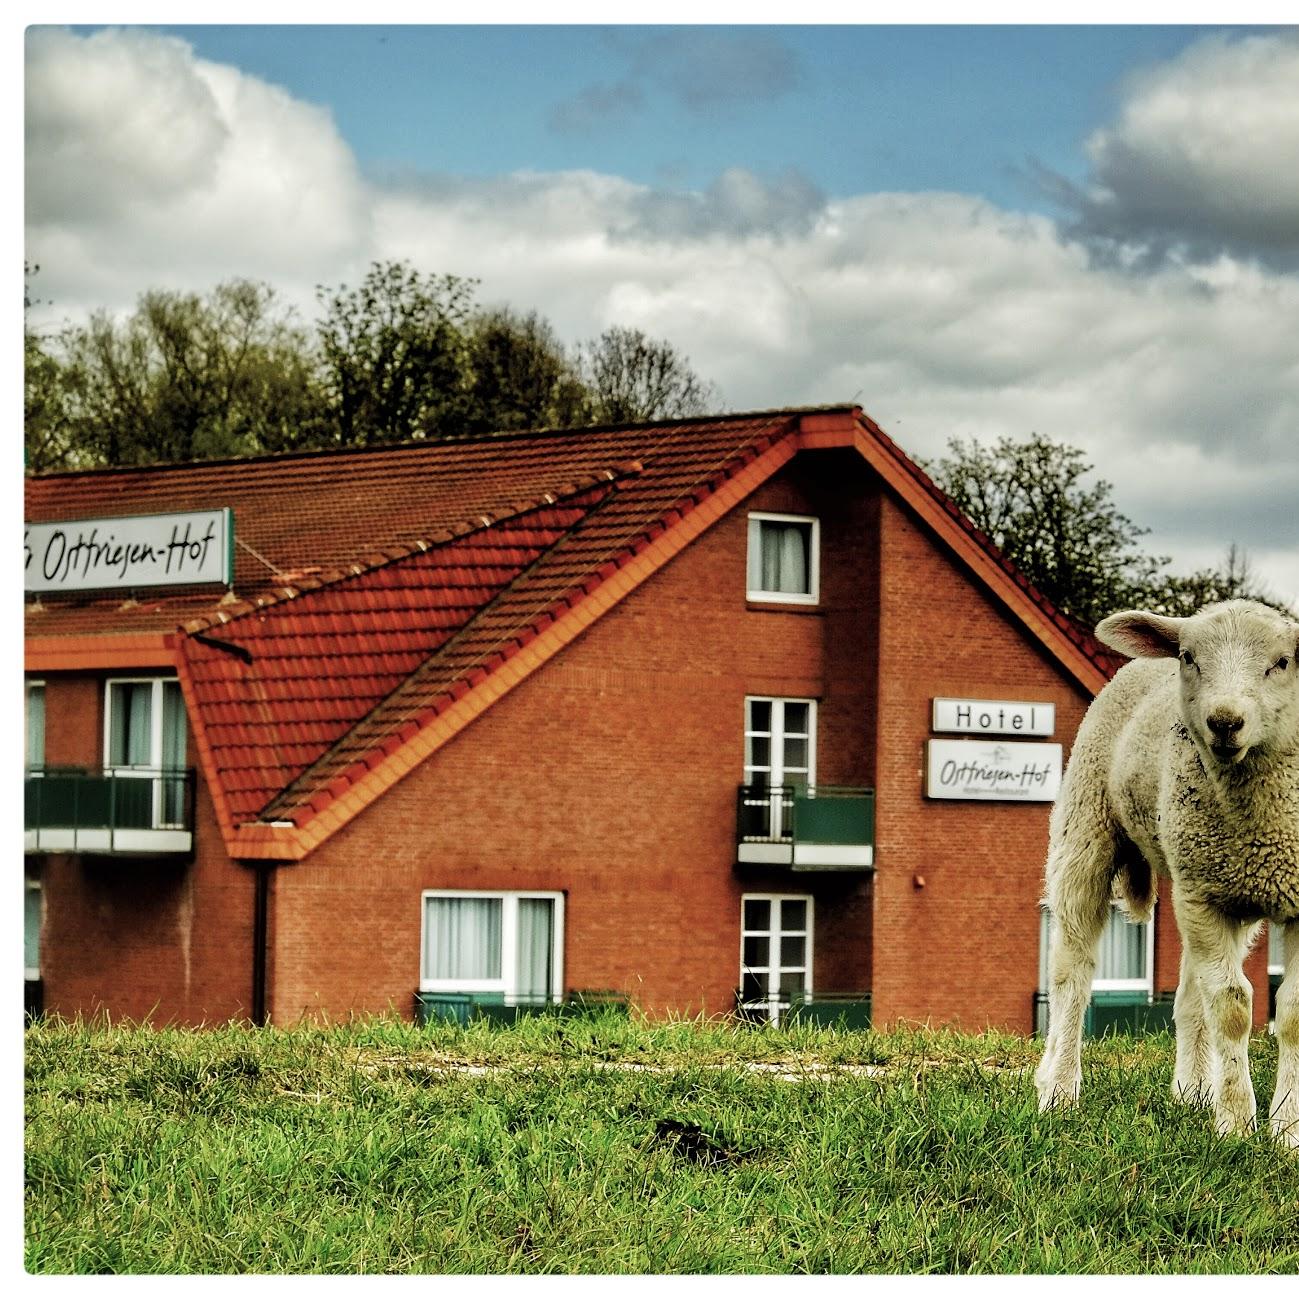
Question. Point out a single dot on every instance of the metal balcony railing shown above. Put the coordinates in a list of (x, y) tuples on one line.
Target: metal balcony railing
[(118, 811), (806, 827)]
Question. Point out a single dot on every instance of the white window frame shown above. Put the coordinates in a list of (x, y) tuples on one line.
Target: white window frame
[(32, 884), (27, 761), (776, 772), (774, 935), (1144, 984), (507, 984), (153, 768), (753, 561)]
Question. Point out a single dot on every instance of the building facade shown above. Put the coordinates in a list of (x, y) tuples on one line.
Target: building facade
[(735, 715)]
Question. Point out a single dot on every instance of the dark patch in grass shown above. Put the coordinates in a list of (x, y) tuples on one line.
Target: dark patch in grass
[(690, 1142)]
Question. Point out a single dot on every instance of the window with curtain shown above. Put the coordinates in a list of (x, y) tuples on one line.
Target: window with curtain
[(1122, 956), (500, 943), (36, 724), (783, 558), (147, 733)]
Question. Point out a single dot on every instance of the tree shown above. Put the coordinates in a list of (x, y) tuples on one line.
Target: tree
[(394, 355), (632, 377), (1067, 538), (520, 376), (45, 421), (182, 378), (1232, 579)]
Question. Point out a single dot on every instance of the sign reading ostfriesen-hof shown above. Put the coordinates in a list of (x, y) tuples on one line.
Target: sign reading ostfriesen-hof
[(1000, 770), (993, 717), (123, 554)]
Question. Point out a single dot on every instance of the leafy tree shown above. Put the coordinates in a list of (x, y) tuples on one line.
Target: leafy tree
[(1232, 579), (632, 377), (182, 378), (520, 376), (394, 355), (47, 443), (1067, 538)]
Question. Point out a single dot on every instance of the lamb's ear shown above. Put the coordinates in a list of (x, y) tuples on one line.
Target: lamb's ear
[(1142, 635)]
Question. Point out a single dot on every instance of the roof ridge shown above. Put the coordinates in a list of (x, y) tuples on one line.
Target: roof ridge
[(448, 439), (308, 583)]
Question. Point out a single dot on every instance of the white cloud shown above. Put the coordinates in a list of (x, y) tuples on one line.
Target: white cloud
[(1204, 150), (941, 313)]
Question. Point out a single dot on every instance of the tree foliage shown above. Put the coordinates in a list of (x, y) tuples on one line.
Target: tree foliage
[(1034, 500), (632, 377)]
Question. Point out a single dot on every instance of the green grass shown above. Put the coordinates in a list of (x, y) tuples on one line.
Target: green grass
[(368, 1148)]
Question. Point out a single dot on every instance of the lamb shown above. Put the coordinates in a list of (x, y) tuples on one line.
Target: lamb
[(1186, 765)]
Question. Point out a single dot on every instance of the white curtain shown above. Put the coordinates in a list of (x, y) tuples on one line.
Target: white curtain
[(1122, 953), (129, 724), (36, 726), (536, 922), (463, 938), (784, 558), (173, 752)]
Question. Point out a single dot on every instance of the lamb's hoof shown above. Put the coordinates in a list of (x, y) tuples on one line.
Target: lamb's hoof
[(1056, 1096), (1229, 1124), (1198, 1095), (1285, 1131)]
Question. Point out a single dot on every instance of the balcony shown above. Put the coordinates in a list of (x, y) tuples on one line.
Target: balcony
[(137, 811), (806, 827)]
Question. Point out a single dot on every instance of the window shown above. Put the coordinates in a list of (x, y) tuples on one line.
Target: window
[(509, 944), (779, 750), (145, 736), (775, 953), (1124, 958), (784, 559), (32, 929), (35, 724)]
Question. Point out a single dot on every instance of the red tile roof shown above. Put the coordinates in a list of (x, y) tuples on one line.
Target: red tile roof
[(380, 592)]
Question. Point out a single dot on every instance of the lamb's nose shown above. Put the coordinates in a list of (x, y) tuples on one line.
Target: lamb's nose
[(1225, 724)]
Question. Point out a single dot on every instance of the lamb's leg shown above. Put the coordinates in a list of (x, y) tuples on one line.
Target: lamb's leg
[(1215, 948), (1078, 894), (1285, 1101), (1196, 1064)]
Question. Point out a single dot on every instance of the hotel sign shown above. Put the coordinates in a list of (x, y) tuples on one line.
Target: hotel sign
[(999, 770), (993, 717), (123, 554)]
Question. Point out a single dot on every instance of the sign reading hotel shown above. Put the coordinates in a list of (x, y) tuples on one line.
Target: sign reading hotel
[(993, 717), (999, 770), (123, 554)]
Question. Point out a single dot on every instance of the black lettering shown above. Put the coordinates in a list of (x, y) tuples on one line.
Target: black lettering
[(962, 715), (57, 545)]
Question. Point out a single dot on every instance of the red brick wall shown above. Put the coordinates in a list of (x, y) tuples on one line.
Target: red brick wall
[(133, 935), (611, 774)]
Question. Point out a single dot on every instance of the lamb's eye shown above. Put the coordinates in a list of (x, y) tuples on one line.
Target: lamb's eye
[(1281, 664), (1188, 658)]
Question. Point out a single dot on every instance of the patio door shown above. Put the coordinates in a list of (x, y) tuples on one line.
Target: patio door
[(779, 757), (145, 740), (775, 953)]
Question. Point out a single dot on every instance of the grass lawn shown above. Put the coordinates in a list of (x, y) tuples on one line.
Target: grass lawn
[(612, 1145)]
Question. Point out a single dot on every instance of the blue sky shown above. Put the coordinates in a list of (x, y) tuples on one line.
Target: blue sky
[(1090, 232), (851, 108)]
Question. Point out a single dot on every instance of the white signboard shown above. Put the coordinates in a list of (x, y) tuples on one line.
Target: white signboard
[(993, 717), (122, 554), (1000, 770)]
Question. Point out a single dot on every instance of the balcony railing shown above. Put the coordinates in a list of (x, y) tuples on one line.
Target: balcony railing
[(844, 1010), (806, 827), (124, 811)]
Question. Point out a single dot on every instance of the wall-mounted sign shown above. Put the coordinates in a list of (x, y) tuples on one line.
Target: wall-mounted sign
[(1001, 770), (122, 554), (993, 717)]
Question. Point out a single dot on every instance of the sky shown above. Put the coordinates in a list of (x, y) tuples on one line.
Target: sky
[(1090, 232)]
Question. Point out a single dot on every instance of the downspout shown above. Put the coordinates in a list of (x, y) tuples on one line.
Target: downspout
[(261, 912)]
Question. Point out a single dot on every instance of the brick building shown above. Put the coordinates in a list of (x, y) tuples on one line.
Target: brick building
[(711, 714)]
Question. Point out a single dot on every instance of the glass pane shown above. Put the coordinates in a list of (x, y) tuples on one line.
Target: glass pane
[(463, 937), (793, 915), (760, 715), (793, 952), (758, 753), (35, 726), (757, 914), (796, 716), (32, 930), (757, 951), (784, 562), (173, 752), (795, 755), (753, 987), (130, 706), (1275, 944), (536, 925), (1122, 950), (792, 983)]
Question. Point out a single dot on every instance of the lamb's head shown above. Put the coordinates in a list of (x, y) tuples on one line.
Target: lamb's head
[(1239, 674)]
